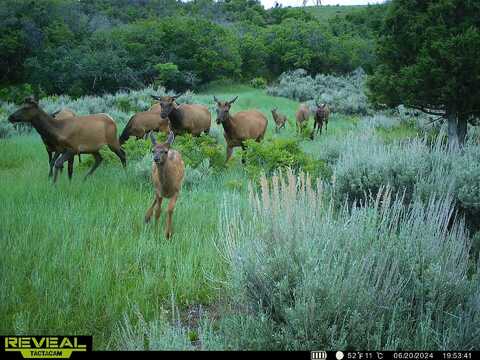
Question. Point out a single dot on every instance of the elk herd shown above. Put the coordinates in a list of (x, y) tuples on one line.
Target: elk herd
[(66, 135)]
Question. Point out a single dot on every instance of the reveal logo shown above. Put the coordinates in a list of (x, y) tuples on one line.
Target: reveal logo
[(47, 347)]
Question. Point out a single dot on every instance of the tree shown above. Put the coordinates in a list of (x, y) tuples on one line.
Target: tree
[(429, 58)]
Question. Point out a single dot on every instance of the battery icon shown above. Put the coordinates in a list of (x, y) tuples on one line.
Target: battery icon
[(318, 355)]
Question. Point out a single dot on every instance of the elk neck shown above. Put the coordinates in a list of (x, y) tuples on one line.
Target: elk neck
[(46, 126), (227, 125), (175, 117), (162, 171)]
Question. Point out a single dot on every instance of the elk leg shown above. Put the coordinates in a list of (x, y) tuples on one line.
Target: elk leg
[(79, 158), (229, 153), (59, 162), (312, 134), (120, 153), (50, 155), (326, 125), (244, 148), (171, 207), (52, 162), (70, 167), (148, 214), (158, 208), (98, 160)]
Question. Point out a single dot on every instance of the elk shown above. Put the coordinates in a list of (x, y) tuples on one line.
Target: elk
[(168, 170), (280, 119), (156, 107), (71, 136), (142, 123), (302, 116), (52, 153), (244, 125), (322, 112), (185, 118)]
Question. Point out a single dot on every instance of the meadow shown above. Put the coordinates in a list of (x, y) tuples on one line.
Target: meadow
[(378, 248)]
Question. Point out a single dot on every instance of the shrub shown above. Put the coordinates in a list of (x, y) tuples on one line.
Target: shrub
[(196, 176), (345, 94), (270, 156), (380, 275), (259, 83), (195, 150), (6, 129), (16, 94), (135, 333)]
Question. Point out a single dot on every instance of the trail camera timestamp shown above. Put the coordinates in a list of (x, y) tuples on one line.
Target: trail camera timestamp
[(457, 355)]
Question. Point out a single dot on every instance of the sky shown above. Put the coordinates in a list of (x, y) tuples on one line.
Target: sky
[(269, 3)]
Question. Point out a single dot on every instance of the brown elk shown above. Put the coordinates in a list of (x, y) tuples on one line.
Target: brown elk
[(52, 153), (280, 119), (185, 118), (322, 112), (244, 125), (71, 136), (168, 170), (302, 116), (156, 107), (142, 123)]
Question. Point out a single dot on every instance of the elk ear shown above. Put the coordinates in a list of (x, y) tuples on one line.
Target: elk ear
[(155, 97), (54, 113), (171, 137), (215, 99), (232, 101), (30, 100), (152, 138)]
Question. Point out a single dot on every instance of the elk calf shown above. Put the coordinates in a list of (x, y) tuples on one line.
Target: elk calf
[(302, 116), (168, 170), (280, 119), (321, 115), (142, 123)]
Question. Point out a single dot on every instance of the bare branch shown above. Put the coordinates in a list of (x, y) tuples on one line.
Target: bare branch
[(427, 111)]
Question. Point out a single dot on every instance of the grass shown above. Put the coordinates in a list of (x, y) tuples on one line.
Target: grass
[(76, 257)]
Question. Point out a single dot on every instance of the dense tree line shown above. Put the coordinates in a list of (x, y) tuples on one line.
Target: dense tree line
[(94, 46)]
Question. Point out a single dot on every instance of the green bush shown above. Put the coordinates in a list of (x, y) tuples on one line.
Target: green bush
[(259, 83), (271, 156), (168, 75), (16, 94), (195, 150)]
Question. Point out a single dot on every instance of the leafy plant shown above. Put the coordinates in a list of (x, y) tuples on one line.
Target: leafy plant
[(278, 154)]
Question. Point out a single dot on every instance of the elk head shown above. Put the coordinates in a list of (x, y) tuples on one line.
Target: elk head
[(168, 103), (223, 108), (160, 151), (27, 112)]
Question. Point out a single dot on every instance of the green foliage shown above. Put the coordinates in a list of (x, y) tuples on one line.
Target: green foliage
[(92, 47), (16, 94), (195, 150), (167, 74), (430, 57), (259, 83), (272, 156)]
